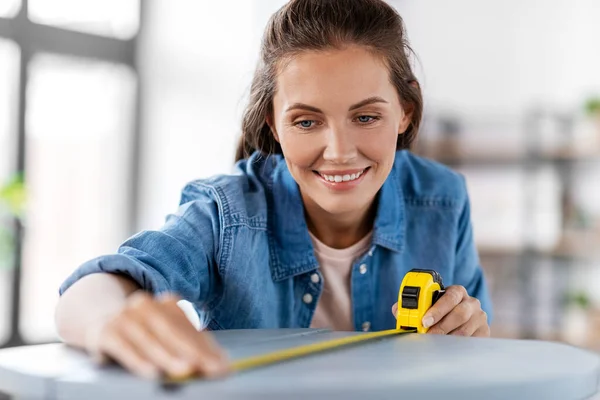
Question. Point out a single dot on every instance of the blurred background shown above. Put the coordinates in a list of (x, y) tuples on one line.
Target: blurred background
[(107, 108)]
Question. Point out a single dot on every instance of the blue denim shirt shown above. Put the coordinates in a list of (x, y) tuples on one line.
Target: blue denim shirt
[(238, 247)]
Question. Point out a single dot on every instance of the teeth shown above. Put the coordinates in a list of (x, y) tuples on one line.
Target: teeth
[(342, 178)]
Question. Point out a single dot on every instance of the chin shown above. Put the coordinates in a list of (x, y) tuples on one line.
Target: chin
[(340, 206)]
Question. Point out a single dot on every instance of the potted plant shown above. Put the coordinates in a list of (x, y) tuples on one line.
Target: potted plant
[(577, 305), (592, 113)]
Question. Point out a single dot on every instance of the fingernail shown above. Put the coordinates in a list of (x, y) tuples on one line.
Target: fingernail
[(150, 372), (427, 322), (181, 369), (217, 367)]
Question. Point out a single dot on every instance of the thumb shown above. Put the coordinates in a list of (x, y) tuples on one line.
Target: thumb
[(395, 310)]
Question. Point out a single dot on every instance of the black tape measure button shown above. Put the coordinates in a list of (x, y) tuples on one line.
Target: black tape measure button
[(410, 297), (436, 295)]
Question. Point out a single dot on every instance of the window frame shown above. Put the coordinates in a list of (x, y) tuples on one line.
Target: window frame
[(33, 38)]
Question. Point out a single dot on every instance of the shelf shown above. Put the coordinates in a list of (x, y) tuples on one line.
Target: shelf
[(573, 245), (450, 151), (578, 245)]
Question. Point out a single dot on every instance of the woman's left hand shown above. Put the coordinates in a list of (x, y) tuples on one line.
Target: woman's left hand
[(455, 313)]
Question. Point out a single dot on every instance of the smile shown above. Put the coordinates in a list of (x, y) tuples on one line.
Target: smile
[(342, 179)]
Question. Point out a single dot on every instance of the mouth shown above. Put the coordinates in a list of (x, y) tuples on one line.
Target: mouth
[(342, 180)]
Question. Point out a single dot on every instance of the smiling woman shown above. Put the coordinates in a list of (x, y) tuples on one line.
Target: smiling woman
[(325, 214), (353, 129)]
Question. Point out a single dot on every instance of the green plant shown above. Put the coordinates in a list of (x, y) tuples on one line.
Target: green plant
[(592, 106), (12, 205), (578, 298), (6, 246), (12, 195)]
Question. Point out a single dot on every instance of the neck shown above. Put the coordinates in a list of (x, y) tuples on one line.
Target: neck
[(339, 231)]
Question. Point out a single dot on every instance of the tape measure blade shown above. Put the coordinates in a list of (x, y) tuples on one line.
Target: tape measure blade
[(263, 360), (310, 349)]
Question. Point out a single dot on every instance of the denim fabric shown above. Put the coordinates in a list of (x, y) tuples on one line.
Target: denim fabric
[(238, 246)]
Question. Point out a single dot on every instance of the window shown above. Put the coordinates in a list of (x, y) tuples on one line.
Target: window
[(9, 8), (9, 78), (115, 18), (79, 119), (9, 69), (70, 127)]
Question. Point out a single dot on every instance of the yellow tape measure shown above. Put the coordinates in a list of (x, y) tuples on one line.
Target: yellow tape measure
[(299, 351), (420, 289)]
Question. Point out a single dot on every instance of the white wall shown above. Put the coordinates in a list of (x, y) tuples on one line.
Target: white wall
[(504, 55), (197, 59)]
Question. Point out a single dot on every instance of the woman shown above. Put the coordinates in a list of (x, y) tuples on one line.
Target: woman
[(325, 215)]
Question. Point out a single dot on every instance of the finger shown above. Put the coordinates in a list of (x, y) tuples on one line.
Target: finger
[(454, 296), (173, 329), (484, 328), (92, 341), (203, 340), (152, 349), (166, 320), (459, 316), (482, 331), (123, 352), (467, 329), (395, 310)]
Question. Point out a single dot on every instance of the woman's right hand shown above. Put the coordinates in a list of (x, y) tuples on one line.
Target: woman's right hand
[(154, 338)]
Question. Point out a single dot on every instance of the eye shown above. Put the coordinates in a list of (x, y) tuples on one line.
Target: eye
[(306, 124), (366, 119)]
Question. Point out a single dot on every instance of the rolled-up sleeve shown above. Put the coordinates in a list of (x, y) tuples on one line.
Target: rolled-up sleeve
[(178, 258), (468, 271)]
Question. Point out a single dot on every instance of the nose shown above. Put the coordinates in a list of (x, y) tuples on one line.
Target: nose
[(340, 147)]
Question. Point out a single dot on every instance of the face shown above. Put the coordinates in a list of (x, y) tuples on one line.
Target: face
[(337, 118)]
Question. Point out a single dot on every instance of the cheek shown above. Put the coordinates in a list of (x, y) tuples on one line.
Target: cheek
[(298, 151), (381, 149)]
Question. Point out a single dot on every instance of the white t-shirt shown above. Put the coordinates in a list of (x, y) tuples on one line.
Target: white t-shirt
[(334, 309)]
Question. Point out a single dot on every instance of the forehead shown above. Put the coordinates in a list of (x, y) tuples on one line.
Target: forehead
[(334, 77)]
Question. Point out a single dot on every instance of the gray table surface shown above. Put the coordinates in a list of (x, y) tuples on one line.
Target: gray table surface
[(413, 365)]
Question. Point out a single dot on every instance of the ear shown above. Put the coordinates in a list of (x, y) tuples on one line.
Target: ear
[(271, 125), (408, 111), (406, 120)]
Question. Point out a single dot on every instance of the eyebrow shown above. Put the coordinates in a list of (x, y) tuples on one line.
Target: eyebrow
[(362, 103)]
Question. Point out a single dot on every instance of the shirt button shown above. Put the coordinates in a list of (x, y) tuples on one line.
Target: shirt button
[(307, 298), (314, 278), (363, 269), (366, 326)]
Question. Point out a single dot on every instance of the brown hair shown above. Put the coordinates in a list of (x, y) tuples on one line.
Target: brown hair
[(303, 25)]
